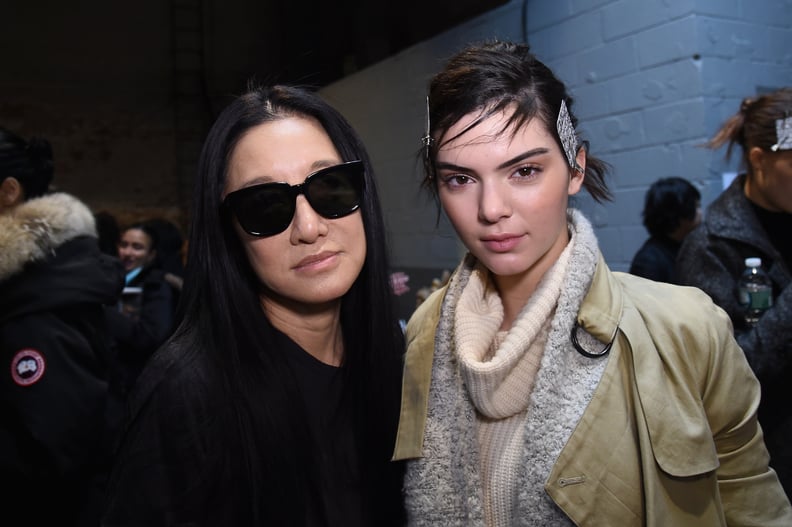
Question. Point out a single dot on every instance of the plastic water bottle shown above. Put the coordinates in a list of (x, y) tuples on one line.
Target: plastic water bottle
[(755, 291)]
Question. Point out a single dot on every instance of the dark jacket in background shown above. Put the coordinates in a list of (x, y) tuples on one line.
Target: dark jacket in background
[(656, 260), (140, 323), (54, 438), (712, 258)]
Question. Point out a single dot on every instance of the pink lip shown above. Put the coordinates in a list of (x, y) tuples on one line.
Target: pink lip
[(501, 243), (316, 260)]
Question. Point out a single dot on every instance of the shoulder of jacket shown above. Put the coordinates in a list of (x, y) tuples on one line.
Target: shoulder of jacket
[(426, 314), (660, 302)]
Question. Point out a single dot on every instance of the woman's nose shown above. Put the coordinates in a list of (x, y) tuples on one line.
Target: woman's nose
[(494, 202), (307, 224)]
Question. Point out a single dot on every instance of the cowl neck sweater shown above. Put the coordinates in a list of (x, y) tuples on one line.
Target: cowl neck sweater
[(499, 368), (449, 477)]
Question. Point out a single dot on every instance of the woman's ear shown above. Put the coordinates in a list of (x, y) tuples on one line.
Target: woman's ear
[(578, 173), (755, 158), (11, 193), (580, 161)]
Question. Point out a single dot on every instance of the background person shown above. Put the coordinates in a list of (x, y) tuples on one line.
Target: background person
[(753, 217), (54, 284), (144, 316), (672, 208), (540, 387), (170, 248), (276, 401)]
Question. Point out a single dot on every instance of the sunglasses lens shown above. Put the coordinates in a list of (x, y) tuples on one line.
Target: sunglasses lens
[(265, 210), (335, 191)]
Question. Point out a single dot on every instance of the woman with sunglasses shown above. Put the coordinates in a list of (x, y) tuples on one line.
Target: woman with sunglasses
[(540, 387), (276, 401)]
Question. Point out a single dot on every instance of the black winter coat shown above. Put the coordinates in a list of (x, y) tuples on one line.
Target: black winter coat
[(54, 438)]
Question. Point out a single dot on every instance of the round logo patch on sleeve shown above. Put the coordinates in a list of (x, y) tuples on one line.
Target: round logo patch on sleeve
[(27, 367)]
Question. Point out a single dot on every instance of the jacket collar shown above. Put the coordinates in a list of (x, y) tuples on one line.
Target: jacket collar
[(609, 312), (731, 216), (602, 306)]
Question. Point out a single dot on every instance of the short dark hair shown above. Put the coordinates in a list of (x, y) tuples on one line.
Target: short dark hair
[(667, 202), (29, 162), (489, 77)]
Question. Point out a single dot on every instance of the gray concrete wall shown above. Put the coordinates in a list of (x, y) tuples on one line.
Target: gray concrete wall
[(652, 80)]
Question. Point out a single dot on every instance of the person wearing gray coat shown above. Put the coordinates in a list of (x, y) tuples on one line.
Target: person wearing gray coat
[(753, 218)]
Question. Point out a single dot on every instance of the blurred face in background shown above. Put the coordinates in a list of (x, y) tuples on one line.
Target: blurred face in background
[(770, 184), (134, 249)]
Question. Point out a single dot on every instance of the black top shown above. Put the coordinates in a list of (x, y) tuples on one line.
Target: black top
[(321, 387), (778, 226), (180, 459)]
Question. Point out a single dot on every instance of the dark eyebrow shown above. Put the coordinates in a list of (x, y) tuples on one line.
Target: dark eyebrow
[(506, 164), (523, 156)]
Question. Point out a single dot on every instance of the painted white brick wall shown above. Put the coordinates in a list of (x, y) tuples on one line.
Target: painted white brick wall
[(652, 80)]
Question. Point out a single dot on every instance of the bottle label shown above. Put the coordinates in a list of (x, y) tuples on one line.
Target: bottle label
[(762, 299)]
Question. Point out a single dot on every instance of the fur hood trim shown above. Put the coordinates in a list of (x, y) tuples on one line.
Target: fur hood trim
[(33, 230)]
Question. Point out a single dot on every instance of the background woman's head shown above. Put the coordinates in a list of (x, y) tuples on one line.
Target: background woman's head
[(672, 208), (26, 168), (489, 79), (137, 246), (766, 157)]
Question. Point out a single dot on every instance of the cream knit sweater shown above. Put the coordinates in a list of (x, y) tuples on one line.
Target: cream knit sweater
[(499, 368)]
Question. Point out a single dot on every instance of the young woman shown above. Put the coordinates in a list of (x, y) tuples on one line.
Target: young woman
[(540, 387), (276, 401), (753, 217), (143, 318)]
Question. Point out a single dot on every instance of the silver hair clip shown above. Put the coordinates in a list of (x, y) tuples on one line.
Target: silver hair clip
[(427, 139), (567, 134), (783, 134)]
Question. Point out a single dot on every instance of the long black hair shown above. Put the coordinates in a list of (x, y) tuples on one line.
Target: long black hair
[(266, 441)]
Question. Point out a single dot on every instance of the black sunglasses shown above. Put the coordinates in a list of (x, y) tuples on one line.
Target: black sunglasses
[(268, 209)]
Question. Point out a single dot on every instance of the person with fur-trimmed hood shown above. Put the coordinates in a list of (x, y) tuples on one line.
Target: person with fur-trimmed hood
[(54, 282)]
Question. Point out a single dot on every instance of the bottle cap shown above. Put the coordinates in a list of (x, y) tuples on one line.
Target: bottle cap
[(753, 262)]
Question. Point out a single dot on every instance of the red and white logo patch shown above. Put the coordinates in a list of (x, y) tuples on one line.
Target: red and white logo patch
[(27, 367)]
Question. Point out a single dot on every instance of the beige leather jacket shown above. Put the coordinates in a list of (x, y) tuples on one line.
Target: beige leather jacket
[(670, 437)]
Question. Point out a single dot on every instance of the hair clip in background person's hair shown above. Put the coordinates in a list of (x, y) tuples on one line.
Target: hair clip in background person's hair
[(566, 132), (783, 134)]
